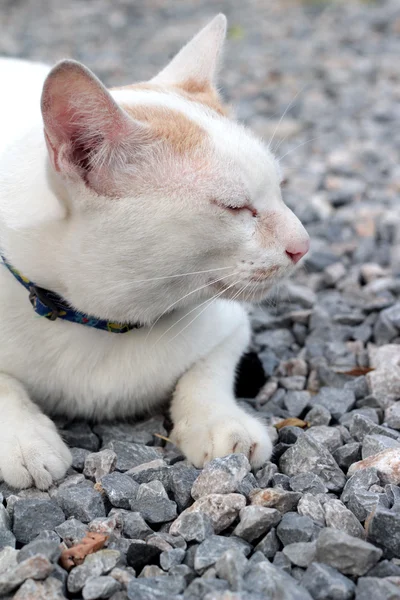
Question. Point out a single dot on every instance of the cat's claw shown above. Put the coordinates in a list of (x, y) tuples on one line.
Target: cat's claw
[(33, 454), (201, 440)]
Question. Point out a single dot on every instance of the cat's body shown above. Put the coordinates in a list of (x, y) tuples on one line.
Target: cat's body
[(108, 217)]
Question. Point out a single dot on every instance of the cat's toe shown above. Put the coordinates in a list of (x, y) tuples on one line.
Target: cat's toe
[(244, 435), (201, 442), (34, 456), (194, 441), (15, 474)]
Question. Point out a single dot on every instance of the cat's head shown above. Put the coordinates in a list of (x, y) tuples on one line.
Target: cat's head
[(160, 182)]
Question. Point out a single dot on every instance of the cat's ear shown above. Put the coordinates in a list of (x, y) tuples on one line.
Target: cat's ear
[(85, 129), (197, 63)]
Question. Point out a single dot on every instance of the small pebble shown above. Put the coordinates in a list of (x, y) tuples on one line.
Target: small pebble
[(318, 415), (72, 531), (269, 545), (256, 521), (193, 526), (339, 517), (34, 567), (171, 558), (120, 489), (94, 565), (323, 582), (221, 476), (296, 528), (50, 589), (31, 516), (300, 554), (153, 504), (327, 436), (209, 551), (386, 463), (81, 502), (96, 588), (222, 509), (131, 455), (374, 587), (350, 555), (347, 454), (278, 498), (308, 455), (335, 400), (232, 566), (383, 528), (308, 483), (99, 464)]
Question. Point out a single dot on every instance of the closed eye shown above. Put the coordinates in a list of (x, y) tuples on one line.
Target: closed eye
[(238, 209)]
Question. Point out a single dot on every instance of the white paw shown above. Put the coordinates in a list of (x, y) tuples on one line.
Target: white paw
[(32, 453), (202, 439)]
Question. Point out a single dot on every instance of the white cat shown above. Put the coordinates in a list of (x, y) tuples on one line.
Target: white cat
[(143, 204)]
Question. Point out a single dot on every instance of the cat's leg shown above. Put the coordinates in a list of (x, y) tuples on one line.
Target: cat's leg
[(207, 421), (31, 450)]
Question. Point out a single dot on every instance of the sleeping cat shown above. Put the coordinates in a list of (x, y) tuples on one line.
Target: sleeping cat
[(137, 220)]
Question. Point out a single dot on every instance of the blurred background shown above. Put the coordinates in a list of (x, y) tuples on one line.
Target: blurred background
[(319, 79)]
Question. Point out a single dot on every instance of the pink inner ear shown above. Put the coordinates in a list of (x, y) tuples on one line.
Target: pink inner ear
[(53, 155), (79, 115)]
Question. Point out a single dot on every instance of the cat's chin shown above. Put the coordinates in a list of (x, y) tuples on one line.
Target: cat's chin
[(251, 293)]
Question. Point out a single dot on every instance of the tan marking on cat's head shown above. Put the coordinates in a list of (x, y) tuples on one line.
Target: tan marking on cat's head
[(203, 93), (191, 89), (172, 126), (141, 86)]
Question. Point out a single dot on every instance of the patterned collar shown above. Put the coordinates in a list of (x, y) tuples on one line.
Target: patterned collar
[(51, 306)]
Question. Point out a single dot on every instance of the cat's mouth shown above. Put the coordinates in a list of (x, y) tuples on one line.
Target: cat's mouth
[(251, 289), (262, 275)]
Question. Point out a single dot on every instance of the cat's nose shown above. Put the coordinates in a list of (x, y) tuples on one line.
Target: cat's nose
[(296, 251)]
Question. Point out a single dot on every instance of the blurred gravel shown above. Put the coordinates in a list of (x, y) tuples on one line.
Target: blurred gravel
[(322, 519)]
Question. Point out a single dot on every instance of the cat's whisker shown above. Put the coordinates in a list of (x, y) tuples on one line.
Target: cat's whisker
[(240, 291), (284, 114), (254, 289), (298, 146), (180, 275), (250, 293), (212, 300), (127, 285), (191, 311), (255, 285), (253, 294), (243, 290), (272, 298), (277, 295), (186, 296), (281, 142)]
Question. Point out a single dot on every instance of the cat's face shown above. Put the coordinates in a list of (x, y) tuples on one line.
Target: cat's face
[(160, 183)]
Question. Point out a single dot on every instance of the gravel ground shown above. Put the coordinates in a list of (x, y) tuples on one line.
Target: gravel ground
[(322, 519)]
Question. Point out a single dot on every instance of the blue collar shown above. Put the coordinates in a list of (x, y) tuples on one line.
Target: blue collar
[(51, 306)]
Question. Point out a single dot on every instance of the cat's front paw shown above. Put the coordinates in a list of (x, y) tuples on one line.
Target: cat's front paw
[(202, 439), (32, 453)]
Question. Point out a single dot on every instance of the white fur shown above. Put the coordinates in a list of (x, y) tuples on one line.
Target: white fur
[(202, 56), (123, 258)]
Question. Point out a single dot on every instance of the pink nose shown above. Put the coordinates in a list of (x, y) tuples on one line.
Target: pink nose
[(296, 251)]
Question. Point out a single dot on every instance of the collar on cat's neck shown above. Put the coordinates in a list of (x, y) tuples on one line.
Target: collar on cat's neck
[(52, 306)]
